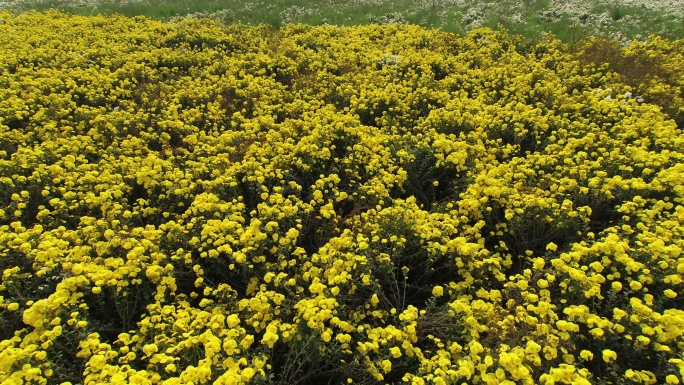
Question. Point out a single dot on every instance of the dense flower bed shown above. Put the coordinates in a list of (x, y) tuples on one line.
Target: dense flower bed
[(182, 203)]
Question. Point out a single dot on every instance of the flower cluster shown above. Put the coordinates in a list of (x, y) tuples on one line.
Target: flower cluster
[(185, 203)]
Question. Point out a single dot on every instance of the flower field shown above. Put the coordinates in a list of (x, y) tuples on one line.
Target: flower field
[(568, 20), (188, 203)]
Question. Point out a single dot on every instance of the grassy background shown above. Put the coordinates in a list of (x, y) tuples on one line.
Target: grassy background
[(569, 20)]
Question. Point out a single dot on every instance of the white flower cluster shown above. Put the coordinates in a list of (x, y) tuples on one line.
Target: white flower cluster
[(612, 18)]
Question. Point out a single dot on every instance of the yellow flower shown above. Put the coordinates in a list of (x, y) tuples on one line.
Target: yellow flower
[(522, 284), (386, 366), (247, 374), (233, 320), (150, 349), (374, 299), (326, 336), (77, 268), (316, 287), (269, 339), (97, 362), (586, 355), (597, 332), (247, 341), (551, 247), (395, 352), (438, 291), (609, 355)]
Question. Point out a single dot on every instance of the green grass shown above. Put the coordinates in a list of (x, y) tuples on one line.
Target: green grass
[(604, 19)]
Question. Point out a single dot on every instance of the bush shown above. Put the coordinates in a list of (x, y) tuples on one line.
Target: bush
[(184, 202)]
